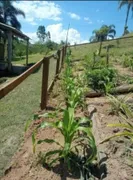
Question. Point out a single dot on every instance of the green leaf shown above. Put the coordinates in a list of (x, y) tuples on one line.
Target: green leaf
[(35, 116), (34, 141), (44, 115), (50, 141), (53, 161), (120, 125), (27, 125), (46, 124), (125, 133), (50, 153), (66, 119)]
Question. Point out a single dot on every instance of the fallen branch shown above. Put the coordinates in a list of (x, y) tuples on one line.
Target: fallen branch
[(118, 90)]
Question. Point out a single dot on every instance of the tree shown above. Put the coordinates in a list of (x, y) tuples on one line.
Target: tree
[(62, 42), (8, 14), (101, 34), (41, 33), (48, 35), (126, 30), (129, 4)]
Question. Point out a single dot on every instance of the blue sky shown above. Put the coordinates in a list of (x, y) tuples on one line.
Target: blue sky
[(83, 16)]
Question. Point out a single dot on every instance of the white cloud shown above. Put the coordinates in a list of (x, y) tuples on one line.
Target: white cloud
[(100, 21), (74, 16), (36, 10), (58, 33), (88, 20), (32, 35)]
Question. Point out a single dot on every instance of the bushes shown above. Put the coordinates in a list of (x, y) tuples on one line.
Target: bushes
[(100, 79)]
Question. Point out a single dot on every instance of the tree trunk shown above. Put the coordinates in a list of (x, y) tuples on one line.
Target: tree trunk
[(100, 48), (118, 90), (128, 9)]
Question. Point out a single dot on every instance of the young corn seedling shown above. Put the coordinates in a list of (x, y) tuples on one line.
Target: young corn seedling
[(128, 130), (118, 105), (69, 129), (127, 126)]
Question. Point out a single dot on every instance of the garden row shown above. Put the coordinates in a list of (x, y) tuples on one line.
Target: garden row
[(79, 148), (63, 135)]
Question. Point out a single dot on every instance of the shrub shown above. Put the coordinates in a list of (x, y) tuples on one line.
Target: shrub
[(99, 79)]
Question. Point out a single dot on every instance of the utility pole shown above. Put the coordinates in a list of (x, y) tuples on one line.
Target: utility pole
[(67, 33)]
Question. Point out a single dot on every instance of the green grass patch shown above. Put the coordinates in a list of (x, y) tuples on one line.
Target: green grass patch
[(33, 58), (15, 109)]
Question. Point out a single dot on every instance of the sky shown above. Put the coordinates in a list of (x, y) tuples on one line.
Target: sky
[(83, 17)]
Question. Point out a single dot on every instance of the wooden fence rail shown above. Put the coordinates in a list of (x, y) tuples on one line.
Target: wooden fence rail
[(108, 40), (45, 76)]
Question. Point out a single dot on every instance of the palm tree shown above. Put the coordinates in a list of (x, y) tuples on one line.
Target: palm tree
[(102, 34), (129, 4), (8, 14)]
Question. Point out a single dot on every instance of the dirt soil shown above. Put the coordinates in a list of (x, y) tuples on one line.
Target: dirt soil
[(123, 70), (119, 162), (25, 165)]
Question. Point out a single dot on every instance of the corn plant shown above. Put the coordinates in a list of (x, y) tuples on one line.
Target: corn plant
[(127, 117), (73, 89), (127, 132), (69, 128), (118, 105), (127, 126)]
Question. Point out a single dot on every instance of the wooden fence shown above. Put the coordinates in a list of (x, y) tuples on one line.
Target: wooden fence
[(108, 40), (59, 56)]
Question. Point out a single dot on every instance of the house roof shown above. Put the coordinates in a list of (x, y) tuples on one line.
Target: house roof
[(16, 32)]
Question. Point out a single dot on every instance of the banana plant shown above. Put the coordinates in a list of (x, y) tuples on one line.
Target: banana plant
[(69, 128)]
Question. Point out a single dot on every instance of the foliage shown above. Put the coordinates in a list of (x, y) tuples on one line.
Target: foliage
[(72, 86), (69, 128), (117, 42), (127, 61), (8, 14), (129, 4), (99, 79), (118, 105), (127, 126), (41, 33), (51, 45), (19, 48), (102, 33)]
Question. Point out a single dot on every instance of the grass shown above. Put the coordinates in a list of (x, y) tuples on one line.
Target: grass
[(20, 104), (15, 109), (33, 58), (124, 46)]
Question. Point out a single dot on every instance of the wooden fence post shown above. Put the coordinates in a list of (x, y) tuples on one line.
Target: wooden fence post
[(62, 61), (58, 62), (45, 75), (107, 56), (65, 50), (94, 59)]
